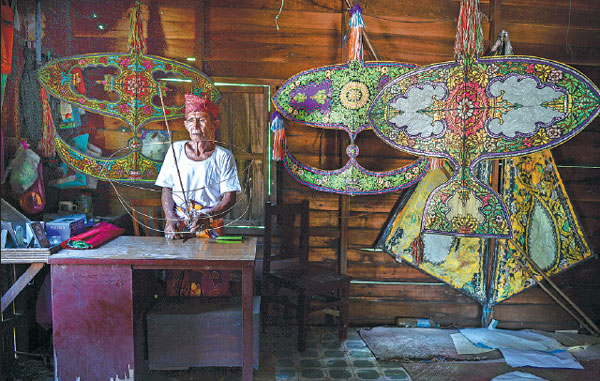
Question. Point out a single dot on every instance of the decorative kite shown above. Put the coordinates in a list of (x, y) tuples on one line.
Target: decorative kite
[(457, 261), (338, 97), (476, 109), (540, 212), (130, 93), (544, 224)]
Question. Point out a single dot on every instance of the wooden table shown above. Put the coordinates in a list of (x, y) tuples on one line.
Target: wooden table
[(35, 257), (92, 301)]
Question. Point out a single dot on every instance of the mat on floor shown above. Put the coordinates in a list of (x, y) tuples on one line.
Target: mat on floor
[(392, 343)]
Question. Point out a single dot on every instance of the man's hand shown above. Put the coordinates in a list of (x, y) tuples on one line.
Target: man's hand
[(171, 231), (200, 222)]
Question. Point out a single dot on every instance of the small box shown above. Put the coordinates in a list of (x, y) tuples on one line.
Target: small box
[(65, 227), (198, 331)]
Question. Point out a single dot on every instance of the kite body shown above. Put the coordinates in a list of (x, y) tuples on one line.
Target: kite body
[(338, 97), (134, 85), (476, 109)]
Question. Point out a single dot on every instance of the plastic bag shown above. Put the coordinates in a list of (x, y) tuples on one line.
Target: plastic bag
[(33, 200), (23, 169)]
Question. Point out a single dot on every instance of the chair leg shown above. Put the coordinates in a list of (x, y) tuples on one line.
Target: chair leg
[(302, 320), (344, 312), (264, 306)]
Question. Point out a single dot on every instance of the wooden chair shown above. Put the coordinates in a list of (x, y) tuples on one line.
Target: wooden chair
[(288, 269), (147, 217)]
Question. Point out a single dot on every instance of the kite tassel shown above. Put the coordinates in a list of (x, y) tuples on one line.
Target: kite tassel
[(417, 248), (46, 144), (277, 127), (469, 33), (355, 46)]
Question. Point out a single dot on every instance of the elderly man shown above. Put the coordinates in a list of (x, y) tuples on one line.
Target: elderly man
[(209, 178)]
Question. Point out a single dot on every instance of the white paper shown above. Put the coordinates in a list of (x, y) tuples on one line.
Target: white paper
[(538, 359), (465, 347), (517, 376)]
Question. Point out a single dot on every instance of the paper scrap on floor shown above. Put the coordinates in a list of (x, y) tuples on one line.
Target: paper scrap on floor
[(517, 376), (523, 348), (465, 347)]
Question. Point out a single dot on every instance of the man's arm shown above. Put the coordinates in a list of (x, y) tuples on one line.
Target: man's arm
[(168, 206)]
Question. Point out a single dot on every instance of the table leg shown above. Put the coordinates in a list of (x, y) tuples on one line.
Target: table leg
[(247, 333), (92, 322)]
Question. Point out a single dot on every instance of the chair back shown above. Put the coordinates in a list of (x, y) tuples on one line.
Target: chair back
[(292, 233), (147, 217)]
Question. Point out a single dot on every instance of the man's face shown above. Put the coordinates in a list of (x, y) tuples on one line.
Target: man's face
[(200, 126)]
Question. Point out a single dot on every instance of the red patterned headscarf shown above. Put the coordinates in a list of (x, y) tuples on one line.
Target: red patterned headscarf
[(194, 103)]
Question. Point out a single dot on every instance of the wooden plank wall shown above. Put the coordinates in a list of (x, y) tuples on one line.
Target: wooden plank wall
[(239, 40)]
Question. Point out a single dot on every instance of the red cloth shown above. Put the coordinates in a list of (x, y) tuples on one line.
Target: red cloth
[(100, 233), (7, 38), (194, 103)]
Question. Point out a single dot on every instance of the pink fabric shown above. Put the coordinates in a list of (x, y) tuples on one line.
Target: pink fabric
[(194, 103), (101, 232)]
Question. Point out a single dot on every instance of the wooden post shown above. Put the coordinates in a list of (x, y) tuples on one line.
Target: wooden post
[(495, 20), (494, 16)]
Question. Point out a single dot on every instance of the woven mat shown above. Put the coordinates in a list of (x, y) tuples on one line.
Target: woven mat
[(392, 343)]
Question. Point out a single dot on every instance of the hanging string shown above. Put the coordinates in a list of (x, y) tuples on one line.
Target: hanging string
[(567, 46), (279, 14), (469, 33)]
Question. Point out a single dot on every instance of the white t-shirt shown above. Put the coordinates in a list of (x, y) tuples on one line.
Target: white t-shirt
[(204, 181)]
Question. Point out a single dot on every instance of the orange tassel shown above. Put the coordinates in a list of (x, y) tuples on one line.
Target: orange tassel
[(435, 163)]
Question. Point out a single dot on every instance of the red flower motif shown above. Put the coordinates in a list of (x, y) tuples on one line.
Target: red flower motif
[(529, 69), (168, 66), (102, 60), (124, 108), (147, 110), (125, 62), (136, 86), (485, 199), (147, 64), (467, 104)]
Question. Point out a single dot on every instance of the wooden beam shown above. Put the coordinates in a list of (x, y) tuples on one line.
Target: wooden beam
[(200, 11), (20, 284)]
